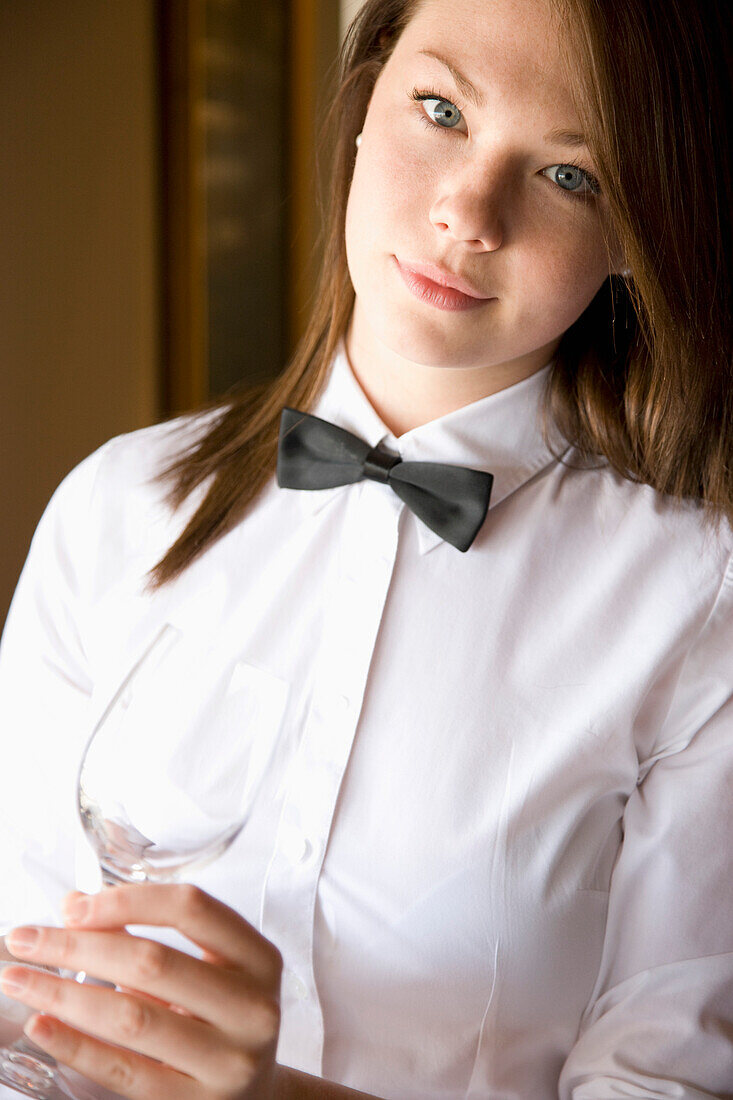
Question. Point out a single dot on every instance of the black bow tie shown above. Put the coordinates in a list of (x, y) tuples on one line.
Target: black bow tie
[(315, 454)]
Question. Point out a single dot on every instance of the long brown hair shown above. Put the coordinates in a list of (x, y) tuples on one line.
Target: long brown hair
[(642, 379)]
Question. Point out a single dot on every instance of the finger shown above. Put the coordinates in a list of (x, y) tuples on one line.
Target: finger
[(190, 1046), (154, 1000), (206, 921), (121, 1071), (219, 995)]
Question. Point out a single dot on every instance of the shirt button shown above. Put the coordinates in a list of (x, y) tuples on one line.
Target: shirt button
[(297, 847), (295, 987), (344, 702)]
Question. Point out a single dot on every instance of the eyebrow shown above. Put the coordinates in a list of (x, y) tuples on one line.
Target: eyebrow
[(571, 139)]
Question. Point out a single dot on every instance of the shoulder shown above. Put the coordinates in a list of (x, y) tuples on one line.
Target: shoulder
[(134, 459), (657, 573), (648, 533), (111, 515)]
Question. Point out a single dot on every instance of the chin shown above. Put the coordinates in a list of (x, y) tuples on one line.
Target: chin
[(430, 345)]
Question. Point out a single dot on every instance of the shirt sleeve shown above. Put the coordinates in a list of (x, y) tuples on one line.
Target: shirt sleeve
[(45, 688), (660, 1020), (47, 663)]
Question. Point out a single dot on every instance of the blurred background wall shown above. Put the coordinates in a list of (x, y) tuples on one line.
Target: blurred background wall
[(79, 302), (157, 213)]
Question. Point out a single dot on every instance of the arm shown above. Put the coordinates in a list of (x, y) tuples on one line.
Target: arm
[(45, 689), (291, 1084), (660, 1019)]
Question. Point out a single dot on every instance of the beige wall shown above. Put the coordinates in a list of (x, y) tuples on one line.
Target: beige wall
[(79, 345), (349, 8)]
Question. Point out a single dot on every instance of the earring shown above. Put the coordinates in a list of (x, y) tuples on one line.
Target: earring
[(626, 272), (358, 140)]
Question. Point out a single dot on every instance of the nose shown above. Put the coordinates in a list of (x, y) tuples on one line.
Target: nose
[(467, 206)]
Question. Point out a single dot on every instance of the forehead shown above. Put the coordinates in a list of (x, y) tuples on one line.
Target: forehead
[(511, 46)]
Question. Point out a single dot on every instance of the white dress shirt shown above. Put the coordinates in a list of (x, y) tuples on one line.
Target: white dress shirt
[(494, 843)]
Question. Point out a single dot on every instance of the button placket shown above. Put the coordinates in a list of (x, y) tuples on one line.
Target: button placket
[(355, 600), (294, 986), (298, 847)]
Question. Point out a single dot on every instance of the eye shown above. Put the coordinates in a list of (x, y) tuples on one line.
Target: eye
[(571, 178), (442, 112), (437, 112)]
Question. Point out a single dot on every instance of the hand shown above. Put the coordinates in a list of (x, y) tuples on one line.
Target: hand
[(187, 1028)]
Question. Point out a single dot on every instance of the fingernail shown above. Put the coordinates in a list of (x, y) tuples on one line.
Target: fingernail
[(39, 1029), (22, 941), (75, 908)]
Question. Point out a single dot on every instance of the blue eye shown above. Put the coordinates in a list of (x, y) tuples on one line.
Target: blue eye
[(439, 110), (574, 176)]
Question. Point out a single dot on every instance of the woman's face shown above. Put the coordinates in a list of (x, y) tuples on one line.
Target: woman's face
[(470, 181)]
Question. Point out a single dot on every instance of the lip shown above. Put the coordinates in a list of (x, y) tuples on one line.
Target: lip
[(440, 288)]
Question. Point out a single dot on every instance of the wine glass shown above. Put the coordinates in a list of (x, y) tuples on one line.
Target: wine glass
[(167, 781), (29, 1065)]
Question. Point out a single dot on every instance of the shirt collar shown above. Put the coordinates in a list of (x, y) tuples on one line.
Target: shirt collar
[(500, 434)]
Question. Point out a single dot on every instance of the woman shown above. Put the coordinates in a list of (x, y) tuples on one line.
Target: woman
[(490, 859)]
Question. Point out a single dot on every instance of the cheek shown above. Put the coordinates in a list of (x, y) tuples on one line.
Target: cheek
[(370, 211), (387, 210), (560, 284), (570, 256), (389, 182), (354, 228)]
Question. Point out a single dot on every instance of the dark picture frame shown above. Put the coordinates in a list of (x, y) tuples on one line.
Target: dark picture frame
[(242, 88)]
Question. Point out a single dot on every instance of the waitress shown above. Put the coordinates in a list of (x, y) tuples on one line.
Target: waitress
[(474, 545)]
